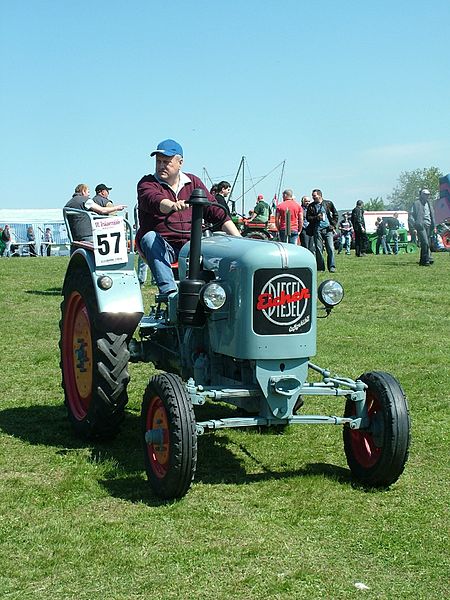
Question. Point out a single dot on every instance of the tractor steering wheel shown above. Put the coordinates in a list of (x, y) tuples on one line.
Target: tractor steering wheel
[(205, 227)]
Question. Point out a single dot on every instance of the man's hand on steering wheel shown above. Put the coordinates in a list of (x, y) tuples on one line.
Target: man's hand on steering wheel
[(168, 206)]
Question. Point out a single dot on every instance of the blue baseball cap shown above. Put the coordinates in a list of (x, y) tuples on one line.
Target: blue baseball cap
[(168, 148)]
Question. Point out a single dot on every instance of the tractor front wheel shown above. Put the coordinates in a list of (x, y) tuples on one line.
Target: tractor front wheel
[(169, 436), (378, 453)]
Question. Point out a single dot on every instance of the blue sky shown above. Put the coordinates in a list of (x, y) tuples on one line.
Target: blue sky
[(348, 93)]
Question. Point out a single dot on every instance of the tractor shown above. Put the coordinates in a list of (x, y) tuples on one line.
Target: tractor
[(241, 329)]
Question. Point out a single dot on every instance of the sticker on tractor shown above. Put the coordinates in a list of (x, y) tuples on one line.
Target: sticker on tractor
[(282, 301), (109, 241)]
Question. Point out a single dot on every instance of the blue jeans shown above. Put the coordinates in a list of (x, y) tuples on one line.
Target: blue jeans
[(321, 237), (159, 255), (381, 241), (142, 270), (293, 236), (392, 235), (345, 242)]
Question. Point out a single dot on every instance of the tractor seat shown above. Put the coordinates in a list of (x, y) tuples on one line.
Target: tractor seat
[(256, 225)]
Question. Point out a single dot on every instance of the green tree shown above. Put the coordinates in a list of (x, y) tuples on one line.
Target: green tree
[(409, 185), (374, 204)]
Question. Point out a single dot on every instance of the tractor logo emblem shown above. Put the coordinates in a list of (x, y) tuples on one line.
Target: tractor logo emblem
[(81, 356), (282, 302)]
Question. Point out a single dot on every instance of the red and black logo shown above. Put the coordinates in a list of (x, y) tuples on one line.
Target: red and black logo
[(282, 301)]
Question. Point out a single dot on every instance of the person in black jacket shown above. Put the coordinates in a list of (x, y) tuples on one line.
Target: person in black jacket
[(223, 190), (381, 236), (322, 218), (359, 227)]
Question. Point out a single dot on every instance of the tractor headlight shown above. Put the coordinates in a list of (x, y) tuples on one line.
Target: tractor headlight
[(104, 282), (213, 296), (330, 293)]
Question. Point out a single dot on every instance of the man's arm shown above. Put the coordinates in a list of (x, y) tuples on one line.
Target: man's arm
[(277, 219), (106, 210), (300, 220), (230, 228)]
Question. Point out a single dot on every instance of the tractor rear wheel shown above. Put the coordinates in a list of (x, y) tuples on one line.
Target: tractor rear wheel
[(169, 436), (94, 362), (257, 235), (377, 454)]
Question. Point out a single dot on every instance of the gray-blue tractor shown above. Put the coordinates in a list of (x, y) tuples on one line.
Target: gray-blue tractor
[(241, 330)]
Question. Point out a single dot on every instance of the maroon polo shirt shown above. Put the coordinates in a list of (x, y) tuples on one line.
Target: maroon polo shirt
[(150, 192)]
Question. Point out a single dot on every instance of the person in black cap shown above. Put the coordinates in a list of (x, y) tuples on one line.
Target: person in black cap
[(102, 195)]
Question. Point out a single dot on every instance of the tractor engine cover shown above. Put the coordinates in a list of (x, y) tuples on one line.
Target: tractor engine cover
[(270, 312)]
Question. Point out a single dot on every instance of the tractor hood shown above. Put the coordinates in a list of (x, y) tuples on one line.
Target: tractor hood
[(271, 293)]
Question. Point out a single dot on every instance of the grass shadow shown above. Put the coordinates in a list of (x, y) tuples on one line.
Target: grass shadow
[(221, 460), (48, 292)]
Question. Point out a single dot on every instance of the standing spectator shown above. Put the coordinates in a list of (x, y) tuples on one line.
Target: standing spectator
[(359, 226), (289, 204), (346, 230), (261, 212), (322, 217), (381, 236), (6, 239), (423, 216), (223, 190), (392, 234), (307, 241), (48, 241), (164, 192), (31, 238), (102, 195), (80, 225)]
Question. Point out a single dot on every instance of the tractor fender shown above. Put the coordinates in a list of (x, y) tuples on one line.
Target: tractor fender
[(124, 295)]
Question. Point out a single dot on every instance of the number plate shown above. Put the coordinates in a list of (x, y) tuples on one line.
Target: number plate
[(109, 241)]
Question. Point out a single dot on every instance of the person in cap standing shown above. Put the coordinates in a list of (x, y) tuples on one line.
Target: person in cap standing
[(423, 218), (102, 195), (164, 192)]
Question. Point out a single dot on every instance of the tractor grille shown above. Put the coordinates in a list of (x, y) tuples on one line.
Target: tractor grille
[(282, 301)]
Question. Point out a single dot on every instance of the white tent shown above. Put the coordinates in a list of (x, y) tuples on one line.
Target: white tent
[(19, 219)]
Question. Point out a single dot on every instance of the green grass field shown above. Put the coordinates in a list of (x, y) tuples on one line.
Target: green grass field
[(269, 515)]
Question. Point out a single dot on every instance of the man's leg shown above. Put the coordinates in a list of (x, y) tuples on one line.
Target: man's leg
[(142, 270), (159, 256), (293, 237), (318, 245), (395, 238), (388, 241), (424, 247), (329, 246)]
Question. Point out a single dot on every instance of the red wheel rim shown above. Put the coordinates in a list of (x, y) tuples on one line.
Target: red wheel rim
[(365, 451), (158, 454), (77, 356)]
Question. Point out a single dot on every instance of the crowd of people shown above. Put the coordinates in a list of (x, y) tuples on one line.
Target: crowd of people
[(9, 247), (313, 223)]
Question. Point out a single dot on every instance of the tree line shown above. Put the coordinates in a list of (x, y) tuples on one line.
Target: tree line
[(406, 192)]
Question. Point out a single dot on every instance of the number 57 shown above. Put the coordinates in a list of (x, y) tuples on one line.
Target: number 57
[(104, 244)]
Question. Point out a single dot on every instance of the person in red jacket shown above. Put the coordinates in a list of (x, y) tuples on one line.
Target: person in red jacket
[(164, 192)]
